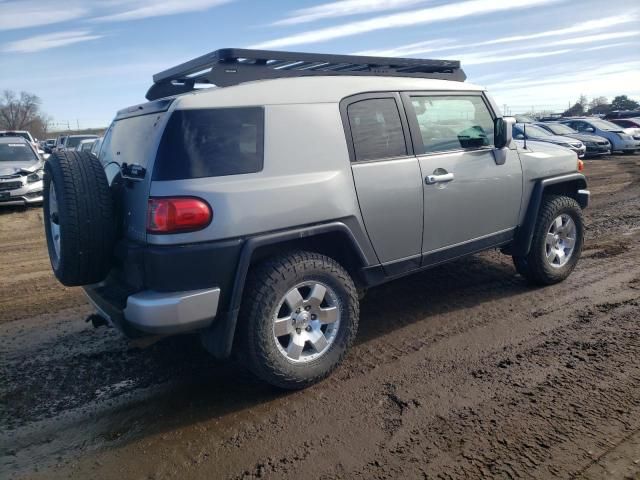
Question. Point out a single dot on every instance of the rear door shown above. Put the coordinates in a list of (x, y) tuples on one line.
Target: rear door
[(387, 178), (471, 196)]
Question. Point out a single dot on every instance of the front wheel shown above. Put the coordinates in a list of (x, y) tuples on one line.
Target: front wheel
[(557, 242), (298, 318)]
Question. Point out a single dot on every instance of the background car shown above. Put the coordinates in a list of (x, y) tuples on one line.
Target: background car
[(630, 125), (622, 114), (534, 132), (95, 148), (49, 145), (620, 141), (72, 141), (86, 145), (59, 142), (21, 172), (595, 145)]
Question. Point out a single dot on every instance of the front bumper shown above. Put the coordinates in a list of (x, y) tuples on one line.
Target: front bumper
[(27, 194), (627, 145), (580, 151), (598, 149), (155, 312)]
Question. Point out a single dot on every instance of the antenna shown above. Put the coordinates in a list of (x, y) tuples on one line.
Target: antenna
[(524, 127)]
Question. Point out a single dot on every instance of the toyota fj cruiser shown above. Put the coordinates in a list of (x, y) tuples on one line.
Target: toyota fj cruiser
[(256, 213)]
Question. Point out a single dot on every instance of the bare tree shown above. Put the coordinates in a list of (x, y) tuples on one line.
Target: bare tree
[(19, 112)]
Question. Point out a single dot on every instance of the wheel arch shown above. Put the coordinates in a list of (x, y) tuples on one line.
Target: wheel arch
[(333, 239), (572, 185)]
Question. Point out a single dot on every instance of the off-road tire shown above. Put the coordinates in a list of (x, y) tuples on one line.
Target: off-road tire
[(85, 216), (534, 266), (266, 285)]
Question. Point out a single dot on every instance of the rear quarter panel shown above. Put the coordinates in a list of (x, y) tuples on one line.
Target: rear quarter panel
[(306, 179)]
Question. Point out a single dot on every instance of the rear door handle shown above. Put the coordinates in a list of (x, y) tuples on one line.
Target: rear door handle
[(431, 179)]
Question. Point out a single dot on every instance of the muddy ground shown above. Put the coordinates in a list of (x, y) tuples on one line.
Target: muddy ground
[(463, 371)]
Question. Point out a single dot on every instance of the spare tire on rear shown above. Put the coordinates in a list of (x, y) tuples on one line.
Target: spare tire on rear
[(79, 218)]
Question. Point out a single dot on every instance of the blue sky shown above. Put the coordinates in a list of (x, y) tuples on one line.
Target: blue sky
[(88, 58)]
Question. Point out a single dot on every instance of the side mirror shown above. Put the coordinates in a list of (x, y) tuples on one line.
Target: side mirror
[(502, 131)]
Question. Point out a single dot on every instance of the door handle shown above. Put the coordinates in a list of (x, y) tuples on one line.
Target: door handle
[(431, 179)]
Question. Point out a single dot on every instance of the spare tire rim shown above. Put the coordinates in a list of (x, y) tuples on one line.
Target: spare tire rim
[(561, 241), (54, 220), (306, 322)]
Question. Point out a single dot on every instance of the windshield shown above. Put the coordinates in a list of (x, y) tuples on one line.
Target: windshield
[(604, 125), (16, 152), (533, 131), (73, 142), (560, 129), (24, 135)]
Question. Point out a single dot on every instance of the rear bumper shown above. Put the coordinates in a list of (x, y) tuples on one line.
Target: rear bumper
[(156, 312)]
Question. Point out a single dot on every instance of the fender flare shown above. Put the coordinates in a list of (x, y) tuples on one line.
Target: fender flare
[(524, 234), (218, 339)]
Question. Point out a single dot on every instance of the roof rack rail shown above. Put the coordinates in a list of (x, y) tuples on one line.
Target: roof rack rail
[(231, 66)]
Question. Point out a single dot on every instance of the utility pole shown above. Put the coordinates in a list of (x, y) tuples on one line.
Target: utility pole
[(78, 124)]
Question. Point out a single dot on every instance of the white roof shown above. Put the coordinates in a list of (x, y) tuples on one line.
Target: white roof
[(317, 89)]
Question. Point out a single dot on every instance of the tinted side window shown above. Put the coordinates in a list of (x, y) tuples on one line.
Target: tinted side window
[(453, 122), (376, 129), (211, 143)]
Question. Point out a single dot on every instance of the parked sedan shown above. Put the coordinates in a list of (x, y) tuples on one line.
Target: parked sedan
[(620, 141), (21, 172), (595, 145), (534, 132), (630, 125)]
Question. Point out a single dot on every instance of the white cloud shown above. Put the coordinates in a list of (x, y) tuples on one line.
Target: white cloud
[(420, 48), (499, 57), (51, 40), (593, 38), (602, 23), (405, 19), (138, 9), (343, 8), (33, 13), (606, 80)]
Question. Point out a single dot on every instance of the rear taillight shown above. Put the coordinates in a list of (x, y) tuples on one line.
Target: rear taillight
[(580, 165), (173, 215)]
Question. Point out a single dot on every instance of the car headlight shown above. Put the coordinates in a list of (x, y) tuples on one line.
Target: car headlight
[(35, 176)]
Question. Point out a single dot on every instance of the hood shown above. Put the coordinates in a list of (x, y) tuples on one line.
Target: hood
[(632, 131), (8, 169), (584, 137)]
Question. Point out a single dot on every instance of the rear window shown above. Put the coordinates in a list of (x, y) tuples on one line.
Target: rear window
[(211, 143)]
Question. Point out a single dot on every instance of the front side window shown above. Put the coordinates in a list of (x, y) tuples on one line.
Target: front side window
[(376, 129), (453, 122), (211, 143)]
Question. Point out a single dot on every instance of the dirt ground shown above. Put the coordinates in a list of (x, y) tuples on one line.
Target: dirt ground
[(460, 372)]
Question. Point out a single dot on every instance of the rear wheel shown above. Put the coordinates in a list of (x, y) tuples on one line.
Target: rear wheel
[(557, 242), (299, 316)]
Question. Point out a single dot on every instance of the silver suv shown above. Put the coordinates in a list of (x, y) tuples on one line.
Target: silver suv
[(257, 213)]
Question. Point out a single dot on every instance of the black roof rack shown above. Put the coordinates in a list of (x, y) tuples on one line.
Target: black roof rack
[(231, 66)]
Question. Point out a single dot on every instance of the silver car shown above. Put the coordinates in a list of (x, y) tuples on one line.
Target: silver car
[(21, 172), (256, 213)]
